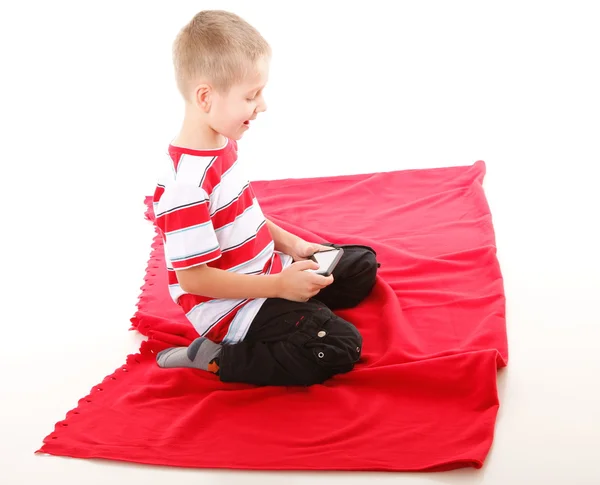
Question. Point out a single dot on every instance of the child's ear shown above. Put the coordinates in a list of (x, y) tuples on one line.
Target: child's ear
[(202, 97)]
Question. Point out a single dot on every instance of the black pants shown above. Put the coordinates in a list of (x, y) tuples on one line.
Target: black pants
[(291, 343)]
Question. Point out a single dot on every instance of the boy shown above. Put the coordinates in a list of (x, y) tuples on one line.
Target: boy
[(241, 279)]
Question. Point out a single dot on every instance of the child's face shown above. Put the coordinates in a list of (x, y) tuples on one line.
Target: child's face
[(231, 114)]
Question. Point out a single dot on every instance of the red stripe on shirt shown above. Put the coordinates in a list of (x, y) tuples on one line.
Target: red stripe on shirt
[(184, 217), (219, 331), (158, 192), (276, 264), (228, 214), (175, 156), (216, 170), (187, 301), (172, 277), (247, 251)]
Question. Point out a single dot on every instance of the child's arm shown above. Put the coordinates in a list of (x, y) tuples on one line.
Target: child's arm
[(285, 241), (295, 246), (293, 283)]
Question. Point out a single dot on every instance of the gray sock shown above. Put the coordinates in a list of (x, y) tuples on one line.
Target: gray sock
[(201, 354)]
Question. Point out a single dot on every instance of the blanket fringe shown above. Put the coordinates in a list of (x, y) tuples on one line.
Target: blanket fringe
[(147, 350), (137, 321)]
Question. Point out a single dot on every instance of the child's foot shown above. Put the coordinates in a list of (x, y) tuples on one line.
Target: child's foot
[(201, 354)]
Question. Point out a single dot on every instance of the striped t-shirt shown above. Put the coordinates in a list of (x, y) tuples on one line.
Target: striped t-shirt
[(207, 213)]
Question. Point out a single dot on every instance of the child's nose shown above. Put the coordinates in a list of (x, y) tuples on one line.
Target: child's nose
[(262, 107)]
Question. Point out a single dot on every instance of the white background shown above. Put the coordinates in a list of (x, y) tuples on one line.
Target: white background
[(88, 106)]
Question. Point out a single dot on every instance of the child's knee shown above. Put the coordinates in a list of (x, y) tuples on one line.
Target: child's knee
[(336, 346), (348, 345), (362, 280), (368, 270)]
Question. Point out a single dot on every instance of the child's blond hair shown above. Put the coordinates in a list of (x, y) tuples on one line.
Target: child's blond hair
[(218, 47)]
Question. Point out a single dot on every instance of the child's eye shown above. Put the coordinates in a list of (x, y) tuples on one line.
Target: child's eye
[(253, 97)]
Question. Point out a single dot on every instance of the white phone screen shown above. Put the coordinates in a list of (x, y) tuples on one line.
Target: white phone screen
[(324, 260)]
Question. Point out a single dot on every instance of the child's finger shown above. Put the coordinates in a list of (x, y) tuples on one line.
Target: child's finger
[(306, 264), (323, 281)]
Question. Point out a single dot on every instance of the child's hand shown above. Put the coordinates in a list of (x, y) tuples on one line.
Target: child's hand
[(303, 250), (297, 284)]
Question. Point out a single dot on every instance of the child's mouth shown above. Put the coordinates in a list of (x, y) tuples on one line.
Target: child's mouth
[(247, 122)]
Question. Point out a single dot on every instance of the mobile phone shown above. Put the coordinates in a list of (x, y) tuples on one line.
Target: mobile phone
[(327, 260)]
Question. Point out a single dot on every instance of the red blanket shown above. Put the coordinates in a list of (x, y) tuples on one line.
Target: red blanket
[(424, 396)]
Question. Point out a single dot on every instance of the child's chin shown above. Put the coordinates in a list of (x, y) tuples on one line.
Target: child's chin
[(231, 135)]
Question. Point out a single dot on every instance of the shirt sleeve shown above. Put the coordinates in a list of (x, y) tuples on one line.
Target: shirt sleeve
[(183, 218)]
